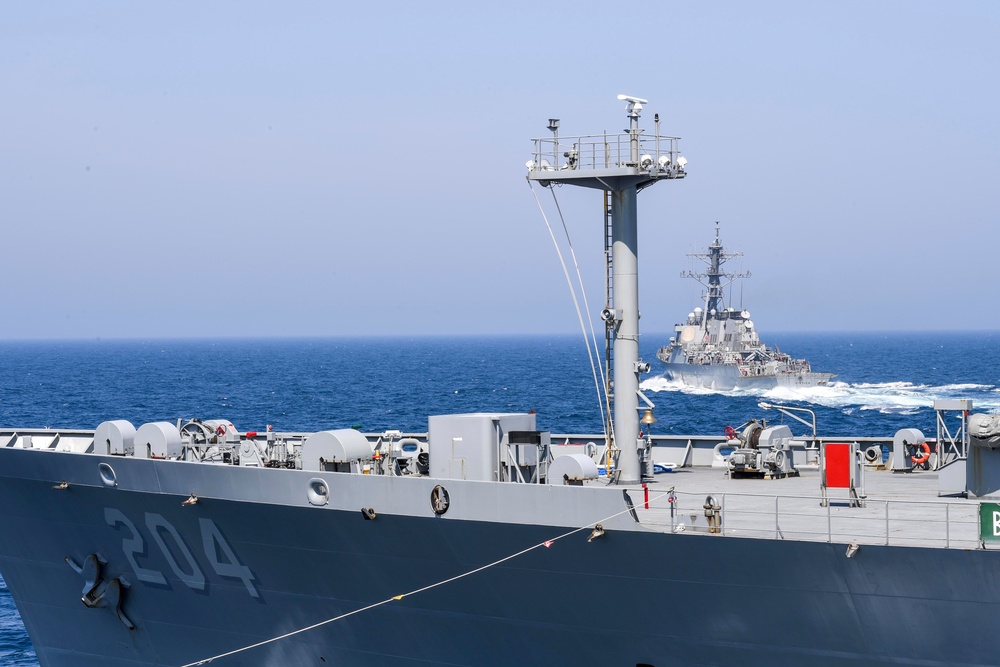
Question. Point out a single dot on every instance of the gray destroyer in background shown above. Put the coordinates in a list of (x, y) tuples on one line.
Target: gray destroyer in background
[(484, 542), (718, 347)]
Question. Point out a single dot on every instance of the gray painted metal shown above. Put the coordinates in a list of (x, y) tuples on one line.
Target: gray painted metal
[(625, 266)]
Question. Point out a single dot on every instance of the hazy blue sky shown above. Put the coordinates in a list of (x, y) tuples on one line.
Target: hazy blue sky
[(275, 169)]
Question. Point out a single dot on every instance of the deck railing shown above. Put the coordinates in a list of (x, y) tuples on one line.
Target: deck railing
[(943, 523), (602, 151)]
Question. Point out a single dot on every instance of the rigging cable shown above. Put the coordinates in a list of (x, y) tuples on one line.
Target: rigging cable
[(395, 598), (609, 422), (576, 303)]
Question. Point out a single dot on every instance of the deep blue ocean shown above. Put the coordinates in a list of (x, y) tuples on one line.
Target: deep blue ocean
[(885, 381)]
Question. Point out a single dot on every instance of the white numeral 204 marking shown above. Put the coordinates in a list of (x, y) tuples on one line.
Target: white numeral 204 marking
[(218, 552)]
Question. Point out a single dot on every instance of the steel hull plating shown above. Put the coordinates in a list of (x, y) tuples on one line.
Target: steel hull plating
[(726, 378), (686, 603)]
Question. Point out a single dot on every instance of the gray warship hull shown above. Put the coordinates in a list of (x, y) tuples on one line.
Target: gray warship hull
[(726, 378), (252, 559)]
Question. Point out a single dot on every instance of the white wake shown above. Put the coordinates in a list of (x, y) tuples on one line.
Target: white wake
[(884, 397)]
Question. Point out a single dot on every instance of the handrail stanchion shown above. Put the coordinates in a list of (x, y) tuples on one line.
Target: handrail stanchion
[(777, 530), (829, 523), (887, 523), (947, 525)]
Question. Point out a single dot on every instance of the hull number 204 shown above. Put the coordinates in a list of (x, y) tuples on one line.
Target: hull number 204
[(176, 552)]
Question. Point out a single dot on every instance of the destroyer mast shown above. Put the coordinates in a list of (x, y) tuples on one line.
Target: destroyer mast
[(620, 165), (714, 287)]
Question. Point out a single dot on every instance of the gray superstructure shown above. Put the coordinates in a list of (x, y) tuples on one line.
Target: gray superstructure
[(718, 347), (485, 542)]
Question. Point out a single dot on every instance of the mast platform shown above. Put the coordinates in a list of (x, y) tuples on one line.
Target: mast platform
[(605, 162)]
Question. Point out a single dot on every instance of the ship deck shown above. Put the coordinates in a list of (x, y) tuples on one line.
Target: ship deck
[(894, 508)]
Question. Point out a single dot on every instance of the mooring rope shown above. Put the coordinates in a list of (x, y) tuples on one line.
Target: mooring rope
[(395, 598)]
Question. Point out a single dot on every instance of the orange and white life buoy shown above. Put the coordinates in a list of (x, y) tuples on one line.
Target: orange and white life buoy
[(924, 455)]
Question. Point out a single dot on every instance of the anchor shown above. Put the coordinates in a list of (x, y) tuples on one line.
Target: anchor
[(100, 593)]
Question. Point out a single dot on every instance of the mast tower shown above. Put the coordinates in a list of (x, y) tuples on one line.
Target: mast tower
[(620, 165)]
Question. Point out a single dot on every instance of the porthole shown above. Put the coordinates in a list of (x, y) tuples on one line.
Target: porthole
[(440, 500), (318, 492), (108, 477)]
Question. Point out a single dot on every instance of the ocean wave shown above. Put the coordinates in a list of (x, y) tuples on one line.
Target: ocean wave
[(661, 383), (898, 398)]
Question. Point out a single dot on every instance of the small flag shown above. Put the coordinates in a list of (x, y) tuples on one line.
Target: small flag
[(397, 597), (547, 543)]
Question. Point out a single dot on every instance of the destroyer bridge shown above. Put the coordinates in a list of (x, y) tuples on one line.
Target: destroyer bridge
[(900, 510)]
